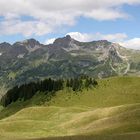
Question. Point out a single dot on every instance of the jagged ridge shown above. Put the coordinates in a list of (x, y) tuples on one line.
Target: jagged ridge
[(30, 60)]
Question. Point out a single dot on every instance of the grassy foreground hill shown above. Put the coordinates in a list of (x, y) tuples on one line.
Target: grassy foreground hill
[(109, 111)]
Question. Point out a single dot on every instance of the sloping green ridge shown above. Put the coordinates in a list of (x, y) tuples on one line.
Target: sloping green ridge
[(35, 122), (110, 92), (112, 109)]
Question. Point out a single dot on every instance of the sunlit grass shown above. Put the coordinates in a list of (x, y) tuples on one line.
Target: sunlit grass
[(112, 108)]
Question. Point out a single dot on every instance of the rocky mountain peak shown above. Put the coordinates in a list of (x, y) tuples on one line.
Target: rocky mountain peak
[(4, 47), (5, 44), (29, 42), (29, 45), (66, 57), (63, 42)]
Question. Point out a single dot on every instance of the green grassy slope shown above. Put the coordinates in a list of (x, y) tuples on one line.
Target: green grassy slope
[(110, 92), (62, 121), (113, 108)]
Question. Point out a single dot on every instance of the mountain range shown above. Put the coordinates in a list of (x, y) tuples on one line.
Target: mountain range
[(84, 108), (29, 60)]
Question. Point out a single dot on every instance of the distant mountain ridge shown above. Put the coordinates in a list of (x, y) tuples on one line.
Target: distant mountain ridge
[(30, 60)]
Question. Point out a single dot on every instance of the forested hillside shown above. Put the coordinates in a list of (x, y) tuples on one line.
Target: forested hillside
[(27, 91)]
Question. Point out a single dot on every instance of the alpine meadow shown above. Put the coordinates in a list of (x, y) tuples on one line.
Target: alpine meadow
[(69, 70)]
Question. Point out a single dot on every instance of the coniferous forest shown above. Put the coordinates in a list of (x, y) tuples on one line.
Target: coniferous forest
[(27, 91)]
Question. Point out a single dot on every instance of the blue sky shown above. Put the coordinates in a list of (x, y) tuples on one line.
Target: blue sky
[(84, 20)]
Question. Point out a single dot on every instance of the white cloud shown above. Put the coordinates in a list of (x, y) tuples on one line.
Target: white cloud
[(49, 15), (50, 41), (27, 28), (106, 14), (120, 38), (84, 37), (113, 37), (132, 43)]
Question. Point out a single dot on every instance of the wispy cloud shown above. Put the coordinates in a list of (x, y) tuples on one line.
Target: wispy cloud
[(84, 37), (131, 43), (47, 16)]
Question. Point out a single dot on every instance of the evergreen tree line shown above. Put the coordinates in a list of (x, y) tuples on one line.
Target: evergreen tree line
[(78, 84), (27, 91)]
